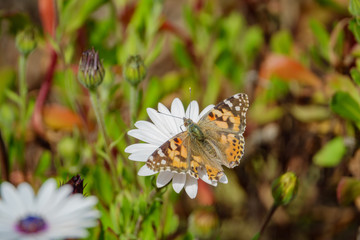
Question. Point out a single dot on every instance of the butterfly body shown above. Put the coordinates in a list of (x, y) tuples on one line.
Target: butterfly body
[(215, 140), (194, 130)]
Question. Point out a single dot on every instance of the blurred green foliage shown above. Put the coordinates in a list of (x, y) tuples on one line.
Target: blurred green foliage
[(309, 125)]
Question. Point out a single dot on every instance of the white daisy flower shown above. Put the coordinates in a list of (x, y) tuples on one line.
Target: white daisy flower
[(54, 213), (155, 134)]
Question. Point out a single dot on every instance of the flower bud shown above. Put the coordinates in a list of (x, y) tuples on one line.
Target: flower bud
[(26, 41), (134, 70), (284, 188), (77, 184), (91, 71)]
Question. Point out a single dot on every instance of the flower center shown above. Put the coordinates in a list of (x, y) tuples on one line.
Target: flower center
[(31, 224)]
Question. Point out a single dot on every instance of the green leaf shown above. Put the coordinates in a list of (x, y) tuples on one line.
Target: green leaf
[(348, 190), (152, 96), (331, 154), (190, 19), (7, 76), (354, 27), (44, 163), (344, 105), (213, 87), (103, 185), (74, 14), (13, 96), (172, 221), (322, 37), (310, 113), (281, 42), (277, 89), (252, 42), (256, 237), (182, 56), (354, 8), (355, 75), (155, 52)]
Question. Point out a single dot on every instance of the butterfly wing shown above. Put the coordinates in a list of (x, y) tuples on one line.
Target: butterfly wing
[(228, 115), (174, 155), (224, 126)]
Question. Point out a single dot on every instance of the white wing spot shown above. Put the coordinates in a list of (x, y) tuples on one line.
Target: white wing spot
[(237, 108), (163, 162), (151, 158), (161, 154), (237, 96), (227, 102)]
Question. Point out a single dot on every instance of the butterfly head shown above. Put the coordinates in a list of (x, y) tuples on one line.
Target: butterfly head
[(194, 129)]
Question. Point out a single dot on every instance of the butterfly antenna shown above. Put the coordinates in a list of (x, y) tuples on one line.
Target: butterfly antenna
[(170, 115)]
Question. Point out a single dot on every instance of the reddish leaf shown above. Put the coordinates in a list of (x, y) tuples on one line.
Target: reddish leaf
[(287, 69), (347, 190), (59, 117), (48, 16)]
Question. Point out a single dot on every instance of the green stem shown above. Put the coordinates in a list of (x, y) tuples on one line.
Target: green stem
[(22, 89), (266, 222), (100, 120), (133, 104), (23, 106)]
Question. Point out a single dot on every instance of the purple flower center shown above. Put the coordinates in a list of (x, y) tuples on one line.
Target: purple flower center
[(31, 224)]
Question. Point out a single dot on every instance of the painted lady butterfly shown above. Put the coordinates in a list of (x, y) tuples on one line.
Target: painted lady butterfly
[(217, 139)]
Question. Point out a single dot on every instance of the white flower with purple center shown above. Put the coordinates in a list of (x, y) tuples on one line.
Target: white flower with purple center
[(165, 125), (54, 213)]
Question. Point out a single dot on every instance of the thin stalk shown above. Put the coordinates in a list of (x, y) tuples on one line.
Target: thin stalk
[(22, 89), (22, 108), (100, 120), (133, 111), (266, 222), (133, 103)]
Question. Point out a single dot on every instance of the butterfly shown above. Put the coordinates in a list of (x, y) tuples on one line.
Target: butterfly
[(215, 140)]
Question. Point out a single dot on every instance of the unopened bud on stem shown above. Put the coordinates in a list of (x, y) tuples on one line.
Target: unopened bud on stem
[(26, 41), (284, 188), (91, 71), (134, 70)]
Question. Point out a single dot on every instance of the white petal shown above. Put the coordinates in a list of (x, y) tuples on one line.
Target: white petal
[(169, 120), (145, 136), (151, 129), (177, 109), (27, 195), (6, 214), (164, 178), (141, 156), (162, 108), (178, 181), (223, 179), (192, 111), (55, 202), (12, 198), (46, 193), (161, 122), (206, 110), (145, 171), (191, 186), (140, 147)]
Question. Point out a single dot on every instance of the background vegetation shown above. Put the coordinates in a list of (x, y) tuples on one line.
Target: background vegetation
[(297, 60)]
